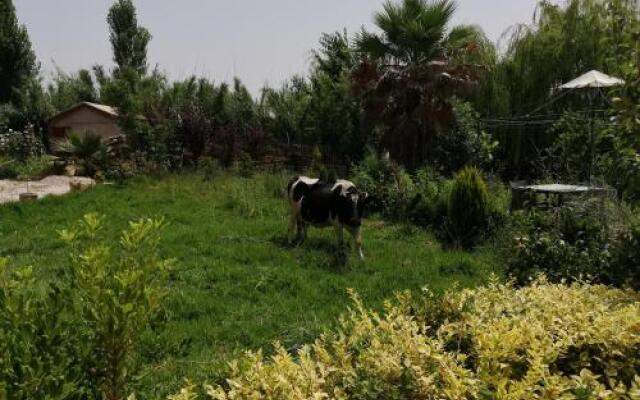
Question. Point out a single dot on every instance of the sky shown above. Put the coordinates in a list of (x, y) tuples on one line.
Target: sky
[(260, 41)]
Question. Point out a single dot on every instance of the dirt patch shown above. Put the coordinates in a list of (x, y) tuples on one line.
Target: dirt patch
[(50, 186)]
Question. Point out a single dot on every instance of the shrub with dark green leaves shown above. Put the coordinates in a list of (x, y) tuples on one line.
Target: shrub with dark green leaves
[(429, 208), (391, 188), (625, 267), (571, 243), (467, 207)]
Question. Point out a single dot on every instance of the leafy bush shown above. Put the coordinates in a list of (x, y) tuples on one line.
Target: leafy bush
[(244, 165), (8, 168), (429, 208), (625, 266), (391, 188), (39, 348), (467, 207), (465, 143), (543, 341), (75, 337), (211, 168), (574, 242)]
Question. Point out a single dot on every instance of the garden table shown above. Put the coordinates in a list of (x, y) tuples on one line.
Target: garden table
[(557, 190)]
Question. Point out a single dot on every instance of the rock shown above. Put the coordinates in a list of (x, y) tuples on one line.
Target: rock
[(70, 170), (28, 196), (78, 185)]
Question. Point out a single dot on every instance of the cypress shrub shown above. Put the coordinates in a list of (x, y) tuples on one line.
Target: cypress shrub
[(467, 207)]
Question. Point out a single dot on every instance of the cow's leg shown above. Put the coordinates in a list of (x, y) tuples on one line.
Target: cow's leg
[(302, 231), (356, 234), (294, 221), (339, 234)]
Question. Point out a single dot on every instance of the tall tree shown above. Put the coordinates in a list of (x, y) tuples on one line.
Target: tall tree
[(409, 71), (17, 60), (128, 40)]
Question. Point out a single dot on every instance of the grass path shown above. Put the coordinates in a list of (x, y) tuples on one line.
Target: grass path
[(237, 284)]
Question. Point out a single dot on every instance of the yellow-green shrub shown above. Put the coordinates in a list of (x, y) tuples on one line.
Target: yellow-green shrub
[(540, 342)]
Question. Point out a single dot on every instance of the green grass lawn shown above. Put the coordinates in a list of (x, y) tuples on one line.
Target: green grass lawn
[(237, 284)]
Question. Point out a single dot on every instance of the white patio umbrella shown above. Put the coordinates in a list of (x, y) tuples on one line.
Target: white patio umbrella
[(592, 79)]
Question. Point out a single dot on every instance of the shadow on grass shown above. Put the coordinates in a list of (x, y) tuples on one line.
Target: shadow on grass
[(316, 252), (461, 267)]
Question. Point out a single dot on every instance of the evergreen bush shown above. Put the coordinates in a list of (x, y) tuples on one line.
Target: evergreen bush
[(467, 207)]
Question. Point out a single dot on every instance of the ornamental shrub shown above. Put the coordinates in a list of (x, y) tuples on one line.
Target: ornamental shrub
[(545, 341), (75, 337), (467, 207)]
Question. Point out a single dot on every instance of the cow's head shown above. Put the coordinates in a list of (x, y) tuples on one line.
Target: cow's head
[(350, 203)]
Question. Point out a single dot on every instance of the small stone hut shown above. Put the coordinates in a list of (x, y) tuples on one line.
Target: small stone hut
[(85, 117)]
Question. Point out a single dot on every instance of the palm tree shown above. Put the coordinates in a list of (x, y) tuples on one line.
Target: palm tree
[(86, 149), (409, 70)]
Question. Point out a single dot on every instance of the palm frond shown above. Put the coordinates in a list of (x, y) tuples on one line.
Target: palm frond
[(372, 45)]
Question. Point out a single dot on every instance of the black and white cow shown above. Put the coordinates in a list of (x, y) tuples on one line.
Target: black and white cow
[(320, 204)]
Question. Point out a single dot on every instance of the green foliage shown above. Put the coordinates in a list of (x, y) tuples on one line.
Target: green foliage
[(414, 32), (580, 241), (334, 111), (317, 169), (119, 290), (67, 90), (466, 143), (244, 165), (625, 268), (211, 169), (568, 157), (467, 207), (390, 187), (128, 40), (75, 337), (30, 108), (286, 110), (622, 161), (87, 150), (32, 168), (430, 206), (39, 345), (427, 198), (137, 97), (7, 168), (17, 60)]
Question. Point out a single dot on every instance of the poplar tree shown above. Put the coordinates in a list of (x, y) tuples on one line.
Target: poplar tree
[(128, 40), (17, 59)]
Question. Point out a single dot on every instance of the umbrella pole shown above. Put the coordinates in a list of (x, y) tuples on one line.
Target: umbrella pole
[(590, 166)]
